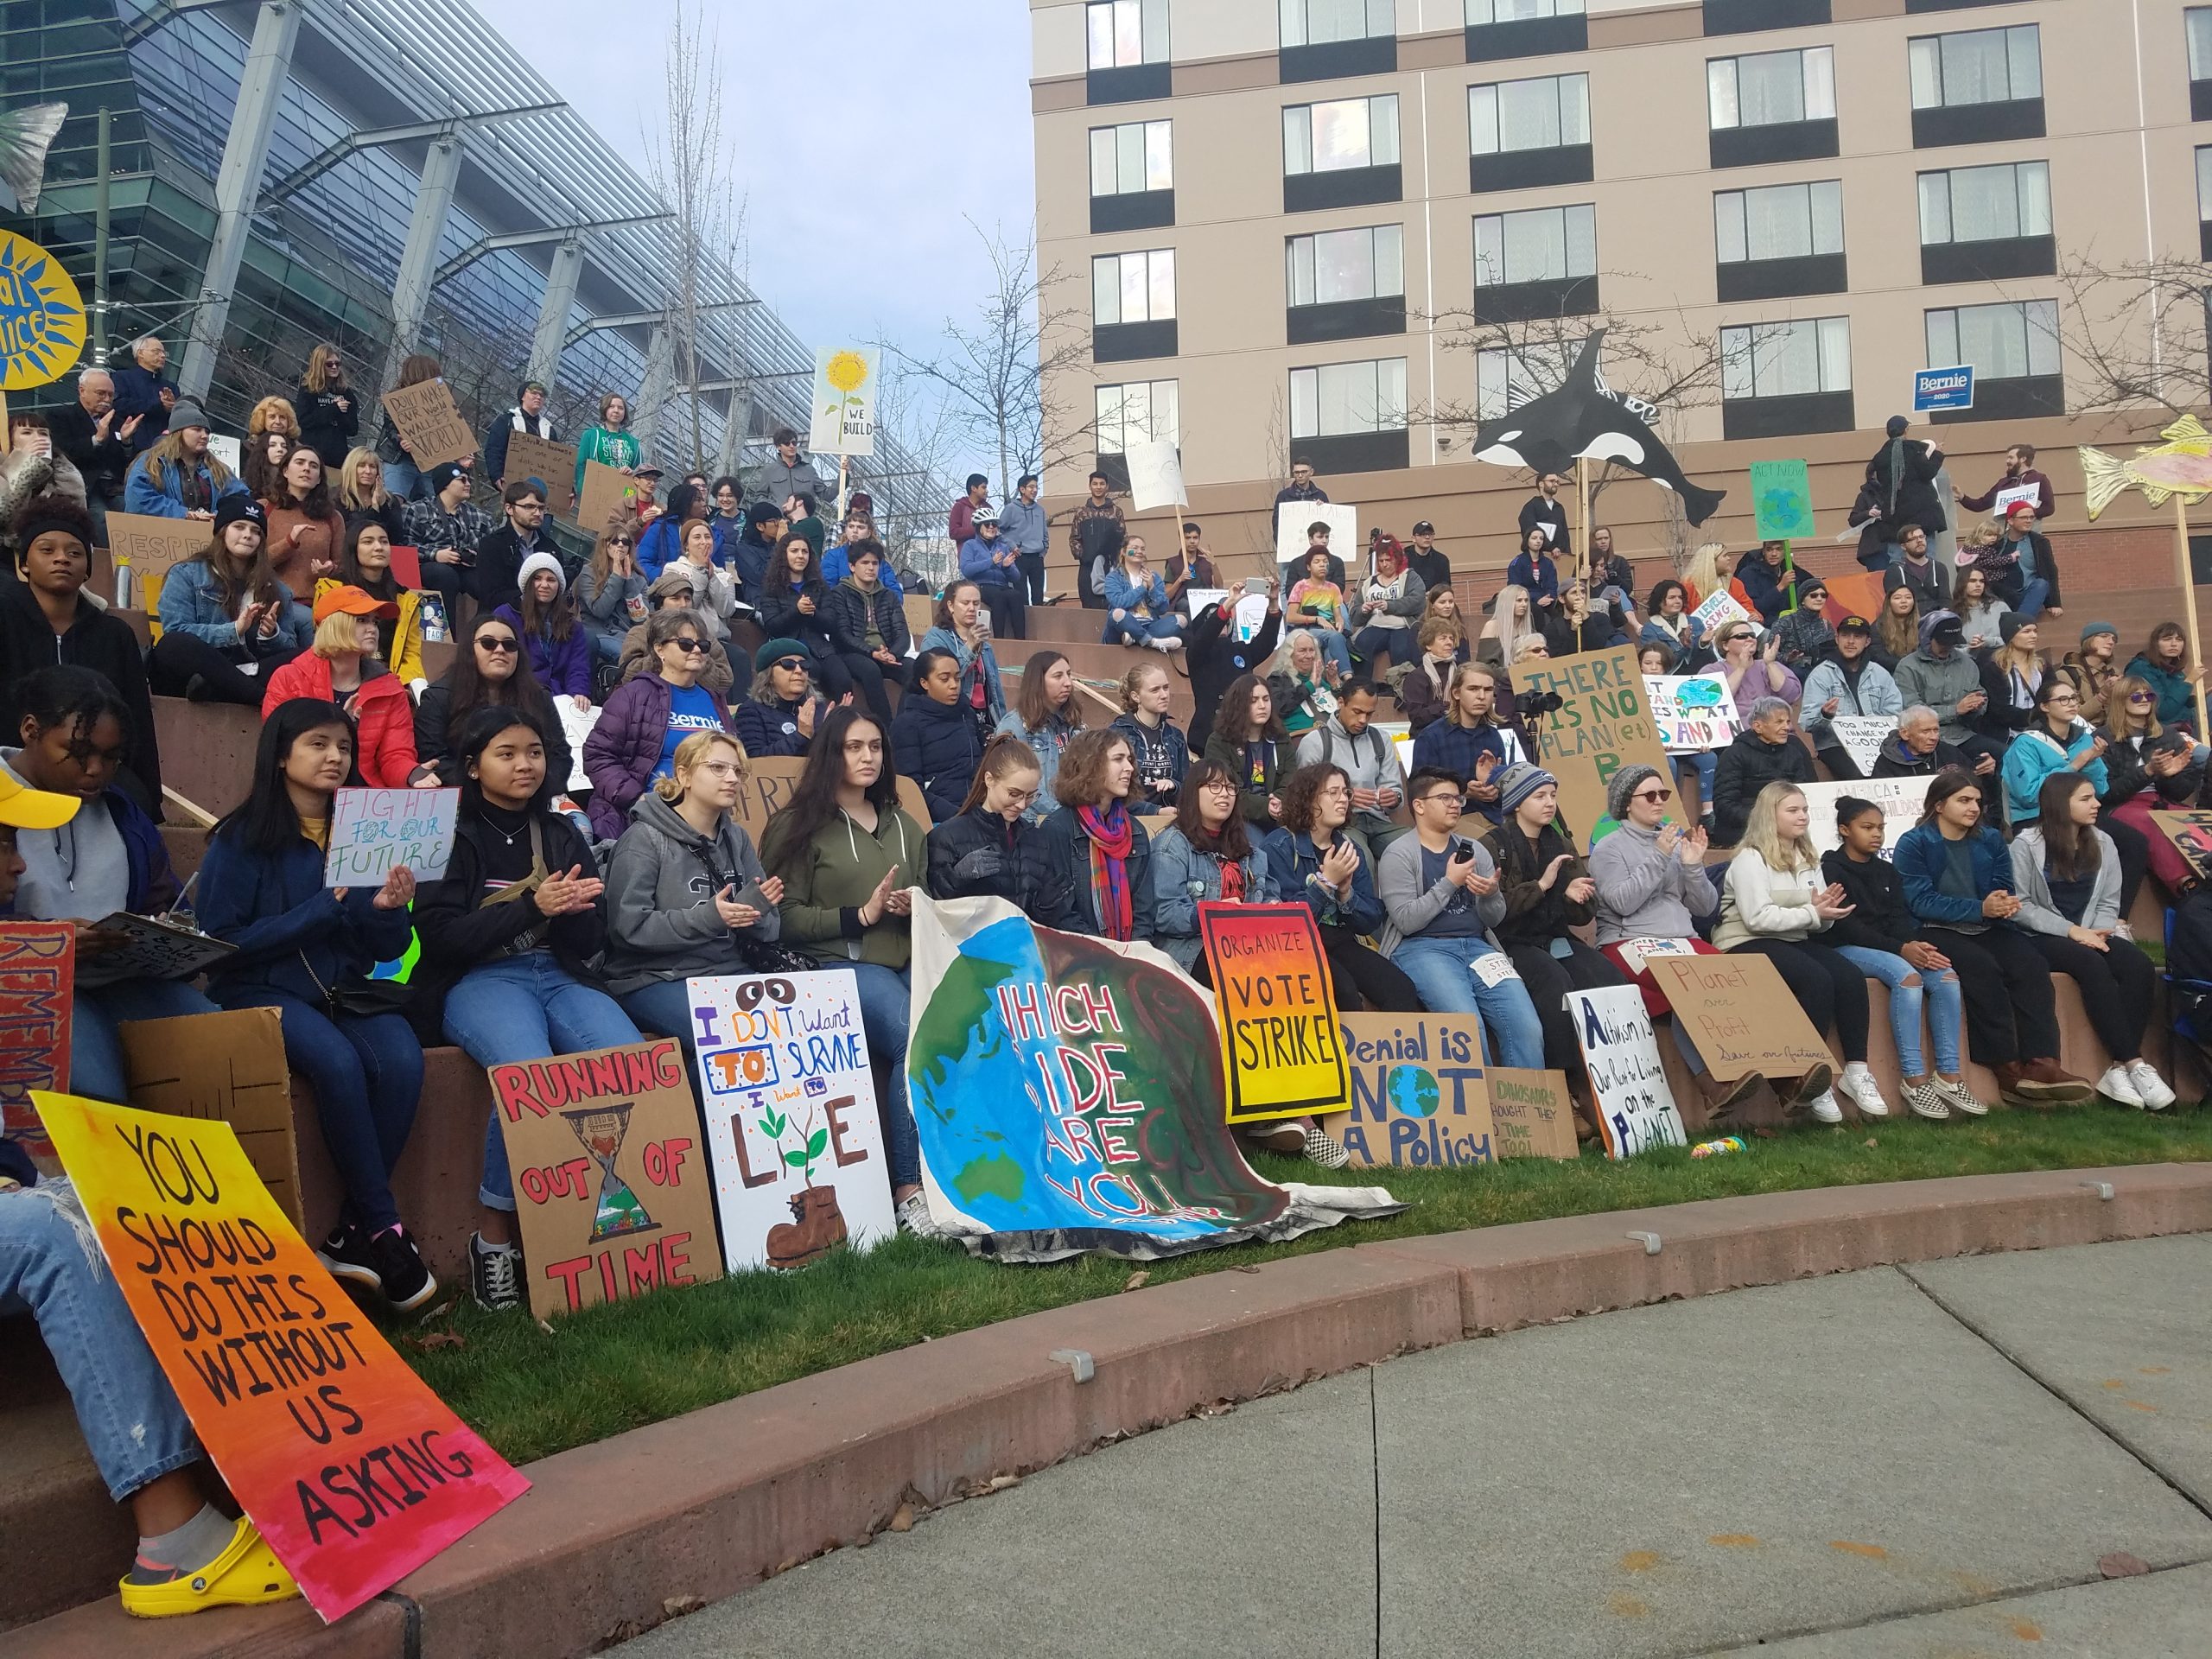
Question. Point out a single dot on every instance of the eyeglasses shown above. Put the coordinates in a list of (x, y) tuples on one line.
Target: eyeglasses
[(1654, 798), (688, 645), (1446, 800), (2142, 697), (499, 647), (788, 664), (1219, 786), (1022, 797)]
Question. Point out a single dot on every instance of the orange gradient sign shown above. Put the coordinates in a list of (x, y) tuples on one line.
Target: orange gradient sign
[(355, 1473), (1280, 1044)]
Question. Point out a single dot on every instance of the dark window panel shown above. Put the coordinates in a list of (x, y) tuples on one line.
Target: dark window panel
[(1784, 418), (2200, 100), (2018, 399), (1116, 468), (1775, 279), (2205, 241), (1532, 37), (1121, 342), (1912, 6), (1784, 141), (1350, 187), (1331, 59), (1131, 85), (1307, 324), (1989, 262), (1357, 452), (1132, 210), (1524, 169), (1743, 17), (1978, 123), (1564, 296)]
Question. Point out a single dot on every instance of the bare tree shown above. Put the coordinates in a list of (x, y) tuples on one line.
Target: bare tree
[(2137, 331)]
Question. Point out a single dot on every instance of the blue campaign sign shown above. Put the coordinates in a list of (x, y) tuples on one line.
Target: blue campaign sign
[(1934, 389)]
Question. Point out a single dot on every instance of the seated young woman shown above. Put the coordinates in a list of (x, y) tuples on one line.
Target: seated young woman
[(509, 936), (1163, 752), (1207, 855), (867, 625), (108, 858), (793, 603), (684, 888), (634, 742), (343, 667), (960, 630), (989, 850), (490, 671), (306, 951), (552, 630), (2060, 741), (1103, 853), (2066, 871), (848, 858), (1316, 864), (365, 561), (933, 740), (1958, 878), (1773, 903), (1247, 741), (226, 621), (777, 719), (2149, 767), (1046, 714), (1657, 660), (610, 591)]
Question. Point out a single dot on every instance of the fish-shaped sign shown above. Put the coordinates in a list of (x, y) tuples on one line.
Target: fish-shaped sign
[(2180, 466)]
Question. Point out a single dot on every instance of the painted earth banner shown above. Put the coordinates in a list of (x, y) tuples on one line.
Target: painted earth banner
[(355, 1473), (1068, 1094)]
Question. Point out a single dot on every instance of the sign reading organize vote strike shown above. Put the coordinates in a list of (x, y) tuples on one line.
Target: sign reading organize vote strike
[(1603, 723), (1279, 1039), (1419, 1099), (374, 831), (355, 1473)]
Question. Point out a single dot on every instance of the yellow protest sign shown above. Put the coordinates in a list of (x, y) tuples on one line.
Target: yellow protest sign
[(41, 315), (1281, 1048)]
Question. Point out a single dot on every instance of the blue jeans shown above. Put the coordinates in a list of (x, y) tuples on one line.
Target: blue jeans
[(607, 647), (96, 1067), (1369, 644), (1135, 630), (1940, 993), (1705, 765), (664, 1009), (1438, 968), (404, 478), (50, 1265), (883, 996), (1333, 647), (525, 1008)]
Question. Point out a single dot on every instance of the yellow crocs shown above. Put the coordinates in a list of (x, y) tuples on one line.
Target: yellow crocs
[(245, 1575)]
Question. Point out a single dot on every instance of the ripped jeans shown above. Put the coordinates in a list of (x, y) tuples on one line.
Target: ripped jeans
[(1937, 993)]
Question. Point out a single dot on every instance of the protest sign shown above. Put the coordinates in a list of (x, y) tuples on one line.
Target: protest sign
[(228, 1068), (150, 949), (843, 421), (1741, 1015), (2016, 495), (1068, 1091), (353, 1471), (1903, 800), (407, 571), (1718, 608), (1418, 1096), (575, 726), (1781, 500), (154, 546), (427, 417), (608, 494), (45, 317), (2191, 836), (1694, 713), (1604, 723), (1250, 616), (791, 1118), (1531, 1114), (767, 788), (37, 984), (612, 1196), (1294, 518), (1635, 1108), (1861, 737), (553, 465), (1155, 475), (373, 831), (226, 449), (1279, 1041)]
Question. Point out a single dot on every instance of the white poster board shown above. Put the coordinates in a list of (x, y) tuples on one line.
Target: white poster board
[(373, 831), (2016, 495), (1155, 475), (1249, 616), (1903, 800), (1721, 608), (791, 1117), (1696, 712), (226, 449), (1294, 518), (1861, 737), (843, 419), (575, 726), (1635, 1110)]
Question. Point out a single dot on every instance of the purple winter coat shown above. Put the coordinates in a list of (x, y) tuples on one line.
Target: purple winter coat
[(623, 749), (563, 665)]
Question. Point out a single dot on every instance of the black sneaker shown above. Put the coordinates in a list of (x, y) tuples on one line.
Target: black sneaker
[(407, 1282), (346, 1254), (494, 1275)]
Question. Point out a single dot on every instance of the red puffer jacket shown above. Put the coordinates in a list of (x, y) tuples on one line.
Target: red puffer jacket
[(381, 709)]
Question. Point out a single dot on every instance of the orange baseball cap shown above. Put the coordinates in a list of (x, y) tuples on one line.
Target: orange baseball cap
[(352, 602)]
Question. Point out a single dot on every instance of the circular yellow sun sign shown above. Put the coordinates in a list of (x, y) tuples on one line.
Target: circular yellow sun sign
[(41, 315)]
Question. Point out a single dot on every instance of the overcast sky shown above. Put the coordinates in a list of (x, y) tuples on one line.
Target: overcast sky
[(860, 131)]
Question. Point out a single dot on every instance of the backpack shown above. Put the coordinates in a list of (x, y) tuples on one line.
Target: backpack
[(1329, 745)]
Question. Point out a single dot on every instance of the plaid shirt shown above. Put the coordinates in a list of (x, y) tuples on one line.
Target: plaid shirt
[(431, 527)]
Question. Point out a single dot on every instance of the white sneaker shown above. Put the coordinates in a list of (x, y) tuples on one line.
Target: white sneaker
[(1823, 1107), (1163, 644), (2116, 1086), (1926, 1100), (2157, 1096), (1858, 1083), (2120, 930), (913, 1216)]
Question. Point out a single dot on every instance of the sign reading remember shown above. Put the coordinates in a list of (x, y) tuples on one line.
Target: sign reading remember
[(1280, 1044), (37, 988), (374, 831)]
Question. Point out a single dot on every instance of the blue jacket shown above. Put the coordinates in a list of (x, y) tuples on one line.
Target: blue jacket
[(166, 500), (975, 564), (2035, 754), (1123, 595), (1292, 858), (1762, 582), (1539, 576), (153, 884), (192, 604), (139, 392), (1178, 866), (946, 639), (290, 931), (1919, 858)]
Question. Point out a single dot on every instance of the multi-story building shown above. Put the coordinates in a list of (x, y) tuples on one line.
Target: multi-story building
[(1347, 230)]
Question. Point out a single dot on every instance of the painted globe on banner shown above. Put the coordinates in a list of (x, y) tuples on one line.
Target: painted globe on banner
[(1412, 1090), (41, 315)]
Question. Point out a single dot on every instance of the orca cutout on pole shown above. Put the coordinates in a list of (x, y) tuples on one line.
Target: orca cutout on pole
[(1583, 417)]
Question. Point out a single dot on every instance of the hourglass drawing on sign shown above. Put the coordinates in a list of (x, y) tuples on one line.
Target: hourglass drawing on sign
[(619, 1211)]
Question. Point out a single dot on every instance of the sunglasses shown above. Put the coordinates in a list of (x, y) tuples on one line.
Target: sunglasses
[(498, 646), (1653, 796), (618, 541), (2142, 697), (789, 663), (688, 645)]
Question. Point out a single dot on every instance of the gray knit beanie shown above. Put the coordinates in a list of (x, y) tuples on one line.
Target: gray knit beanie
[(1623, 783)]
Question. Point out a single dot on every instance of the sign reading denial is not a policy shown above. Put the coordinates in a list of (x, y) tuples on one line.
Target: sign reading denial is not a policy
[(1418, 1094)]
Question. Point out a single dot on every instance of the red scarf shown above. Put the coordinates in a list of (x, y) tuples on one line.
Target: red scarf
[(1113, 835), (1232, 882)]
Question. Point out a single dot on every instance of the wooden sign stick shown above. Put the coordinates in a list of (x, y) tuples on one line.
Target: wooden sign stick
[(2188, 592)]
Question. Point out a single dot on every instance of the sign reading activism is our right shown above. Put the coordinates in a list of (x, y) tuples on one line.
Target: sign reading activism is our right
[(1280, 1044), (1603, 723), (430, 422), (1635, 1108)]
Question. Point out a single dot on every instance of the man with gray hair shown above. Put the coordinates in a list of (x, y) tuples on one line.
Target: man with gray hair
[(146, 390), (1918, 749), (1765, 752), (98, 439)]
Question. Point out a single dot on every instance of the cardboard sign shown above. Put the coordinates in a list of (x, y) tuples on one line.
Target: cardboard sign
[(613, 1196), (355, 1473), (1418, 1098), (1156, 478), (407, 567), (37, 982), (1739, 1013), (1694, 713), (1903, 802), (768, 785), (1603, 723), (1721, 608), (553, 465), (2191, 836), (429, 419), (374, 831), (154, 546), (1531, 1114), (1635, 1108), (845, 393), (227, 1068), (1861, 737), (152, 950), (1781, 500), (1294, 518), (791, 1118), (607, 495), (1280, 1044)]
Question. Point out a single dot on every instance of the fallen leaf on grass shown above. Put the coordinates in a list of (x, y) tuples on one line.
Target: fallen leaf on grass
[(437, 1339), (1138, 1280), (1872, 1141)]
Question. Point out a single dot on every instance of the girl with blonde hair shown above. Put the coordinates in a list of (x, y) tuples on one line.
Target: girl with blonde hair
[(329, 410), (1512, 620)]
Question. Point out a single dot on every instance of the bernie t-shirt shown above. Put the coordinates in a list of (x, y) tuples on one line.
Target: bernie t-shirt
[(690, 708)]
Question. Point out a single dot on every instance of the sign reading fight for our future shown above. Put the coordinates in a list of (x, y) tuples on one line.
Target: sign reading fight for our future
[(355, 1473), (1280, 1044), (1419, 1096), (374, 831)]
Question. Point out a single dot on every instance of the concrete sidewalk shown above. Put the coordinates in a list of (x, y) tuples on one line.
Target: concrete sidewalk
[(1922, 1461)]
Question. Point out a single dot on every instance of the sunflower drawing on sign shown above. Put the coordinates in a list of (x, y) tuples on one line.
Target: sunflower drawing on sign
[(41, 315), (844, 421)]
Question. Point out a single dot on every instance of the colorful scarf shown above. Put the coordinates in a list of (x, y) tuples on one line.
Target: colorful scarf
[(1113, 836), (1232, 882)]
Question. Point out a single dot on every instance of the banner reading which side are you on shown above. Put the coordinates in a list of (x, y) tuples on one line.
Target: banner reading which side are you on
[(1068, 1095)]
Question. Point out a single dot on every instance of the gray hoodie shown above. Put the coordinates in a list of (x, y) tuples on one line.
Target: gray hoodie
[(661, 921), (2038, 914), (1940, 683), (1411, 907), (1645, 894)]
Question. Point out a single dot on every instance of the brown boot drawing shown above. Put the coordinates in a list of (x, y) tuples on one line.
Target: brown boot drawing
[(816, 1223)]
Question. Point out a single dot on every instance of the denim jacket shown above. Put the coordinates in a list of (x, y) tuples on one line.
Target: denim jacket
[(1297, 866)]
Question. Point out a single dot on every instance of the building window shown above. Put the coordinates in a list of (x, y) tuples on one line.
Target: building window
[(1138, 411), (2197, 24), (1133, 306), (1779, 240), (1131, 176), (1983, 223), (1522, 133), (1350, 416), (1325, 38), (2013, 347), (1128, 50), (1977, 88), (1505, 378), (1524, 29), (1539, 264), (2204, 202), (1771, 106), (1340, 154), (1745, 16), (1782, 378), (1343, 284)]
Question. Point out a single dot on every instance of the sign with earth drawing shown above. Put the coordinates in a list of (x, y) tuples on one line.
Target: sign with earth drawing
[(1781, 500), (1418, 1099)]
